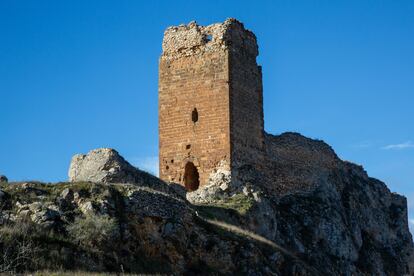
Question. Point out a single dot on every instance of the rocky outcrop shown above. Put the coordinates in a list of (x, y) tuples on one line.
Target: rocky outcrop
[(105, 165), (316, 205), (332, 212), (3, 178), (141, 230), (306, 213), (101, 165)]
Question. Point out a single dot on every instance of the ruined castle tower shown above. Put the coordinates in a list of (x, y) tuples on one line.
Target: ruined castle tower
[(210, 102)]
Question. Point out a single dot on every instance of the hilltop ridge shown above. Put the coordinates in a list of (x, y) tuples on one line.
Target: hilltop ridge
[(309, 214)]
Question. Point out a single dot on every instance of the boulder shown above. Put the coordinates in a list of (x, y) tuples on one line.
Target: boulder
[(87, 208), (3, 178), (105, 165), (44, 215), (101, 165), (67, 194)]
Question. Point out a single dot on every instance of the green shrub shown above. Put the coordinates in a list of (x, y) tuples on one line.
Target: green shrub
[(238, 202), (94, 231)]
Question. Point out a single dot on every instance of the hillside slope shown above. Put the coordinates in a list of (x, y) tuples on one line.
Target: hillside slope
[(305, 213)]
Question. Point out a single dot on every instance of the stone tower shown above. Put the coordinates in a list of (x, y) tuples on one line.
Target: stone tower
[(210, 102)]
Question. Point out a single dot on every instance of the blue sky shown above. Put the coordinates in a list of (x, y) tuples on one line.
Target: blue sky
[(78, 75)]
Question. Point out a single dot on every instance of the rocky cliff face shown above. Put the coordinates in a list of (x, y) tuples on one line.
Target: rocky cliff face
[(333, 212), (306, 213)]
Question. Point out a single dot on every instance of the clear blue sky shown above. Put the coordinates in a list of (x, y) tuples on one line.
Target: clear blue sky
[(78, 75)]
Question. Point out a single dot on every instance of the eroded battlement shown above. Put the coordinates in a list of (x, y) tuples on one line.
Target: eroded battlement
[(192, 39)]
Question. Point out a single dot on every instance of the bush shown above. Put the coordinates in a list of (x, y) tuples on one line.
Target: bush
[(18, 251), (94, 231), (238, 202)]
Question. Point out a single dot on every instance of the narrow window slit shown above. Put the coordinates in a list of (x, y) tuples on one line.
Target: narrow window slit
[(194, 115)]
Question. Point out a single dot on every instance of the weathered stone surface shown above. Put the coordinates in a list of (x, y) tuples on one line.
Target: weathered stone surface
[(44, 215), (101, 165), (193, 39), (107, 166), (3, 178), (343, 220), (87, 207), (67, 194), (219, 186)]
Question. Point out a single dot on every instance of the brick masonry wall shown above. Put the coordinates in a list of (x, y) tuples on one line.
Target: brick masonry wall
[(187, 83), (246, 103)]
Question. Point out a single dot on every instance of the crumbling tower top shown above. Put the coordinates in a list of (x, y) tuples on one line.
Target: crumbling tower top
[(193, 39)]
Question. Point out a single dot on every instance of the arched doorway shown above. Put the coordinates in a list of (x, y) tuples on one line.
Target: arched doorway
[(191, 177)]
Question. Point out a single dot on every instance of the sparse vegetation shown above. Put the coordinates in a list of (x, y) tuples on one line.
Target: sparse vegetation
[(18, 250), (94, 231), (239, 202), (230, 210)]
